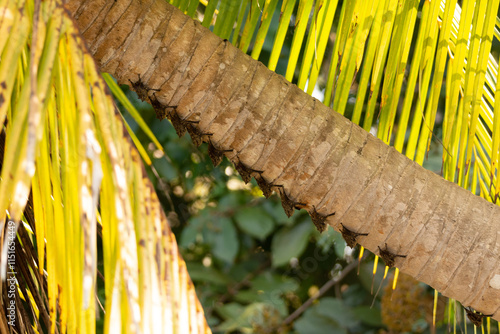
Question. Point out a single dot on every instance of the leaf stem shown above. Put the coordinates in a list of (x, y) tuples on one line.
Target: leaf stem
[(327, 286)]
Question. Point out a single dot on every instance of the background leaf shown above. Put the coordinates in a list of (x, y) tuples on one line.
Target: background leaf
[(254, 221), (290, 242), (225, 242)]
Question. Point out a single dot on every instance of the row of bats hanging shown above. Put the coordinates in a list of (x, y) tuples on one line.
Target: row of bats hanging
[(289, 205)]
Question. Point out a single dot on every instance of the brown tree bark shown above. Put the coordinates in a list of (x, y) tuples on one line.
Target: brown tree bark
[(291, 143)]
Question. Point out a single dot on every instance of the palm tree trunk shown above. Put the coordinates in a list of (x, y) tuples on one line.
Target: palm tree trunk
[(291, 143)]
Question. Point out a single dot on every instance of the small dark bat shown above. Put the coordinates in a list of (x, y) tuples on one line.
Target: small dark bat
[(170, 112), (246, 172), (162, 111), (349, 236), (141, 89), (387, 256), (187, 126), (288, 205), (215, 154), (179, 125), (475, 317), (264, 186), (319, 220), (196, 134)]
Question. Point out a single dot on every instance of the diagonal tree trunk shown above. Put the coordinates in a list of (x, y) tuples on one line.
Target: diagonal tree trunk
[(291, 143)]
